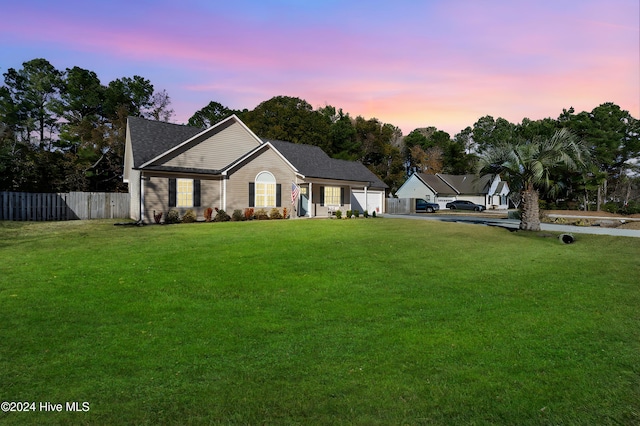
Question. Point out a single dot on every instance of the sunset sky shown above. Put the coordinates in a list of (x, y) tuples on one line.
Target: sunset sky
[(409, 63)]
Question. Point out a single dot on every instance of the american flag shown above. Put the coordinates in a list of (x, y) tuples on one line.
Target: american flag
[(294, 192)]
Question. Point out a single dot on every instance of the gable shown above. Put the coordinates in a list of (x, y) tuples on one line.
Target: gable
[(213, 149), (414, 187), (146, 139)]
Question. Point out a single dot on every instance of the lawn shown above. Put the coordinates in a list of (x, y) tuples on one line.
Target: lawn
[(364, 322)]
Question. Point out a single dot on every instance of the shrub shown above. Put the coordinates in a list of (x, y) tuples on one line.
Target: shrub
[(237, 215), (366, 213), (356, 213), (374, 214), (261, 214), (221, 216), (285, 213), (207, 214), (157, 217), (248, 213), (189, 217), (275, 214), (173, 216), (338, 214), (349, 213)]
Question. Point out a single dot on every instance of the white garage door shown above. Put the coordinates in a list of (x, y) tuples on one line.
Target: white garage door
[(374, 201)]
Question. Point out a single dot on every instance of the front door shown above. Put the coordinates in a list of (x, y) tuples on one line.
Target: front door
[(304, 201)]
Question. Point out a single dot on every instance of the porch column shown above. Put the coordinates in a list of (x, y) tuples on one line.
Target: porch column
[(310, 209), (142, 197), (366, 198)]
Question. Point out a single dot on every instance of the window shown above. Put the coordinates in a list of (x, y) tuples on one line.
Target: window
[(184, 192), (332, 196), (265, 190)]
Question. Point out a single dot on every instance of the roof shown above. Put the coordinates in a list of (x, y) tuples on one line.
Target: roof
[(437, 184), (152, 138), (313, 162), (468, 184)]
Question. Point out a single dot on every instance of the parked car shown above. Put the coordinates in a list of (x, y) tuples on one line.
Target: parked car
[(464, 205), (425, 206)]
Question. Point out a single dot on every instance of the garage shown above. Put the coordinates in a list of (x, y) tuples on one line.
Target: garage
[(373, 200)]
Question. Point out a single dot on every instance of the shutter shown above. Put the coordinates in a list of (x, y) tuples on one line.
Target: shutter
[(196, 193), (173, 192), (342, 196), (278, 195), (252, 194), (322, 195)]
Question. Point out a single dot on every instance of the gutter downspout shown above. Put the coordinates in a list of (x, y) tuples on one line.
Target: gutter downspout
[(224, 191)]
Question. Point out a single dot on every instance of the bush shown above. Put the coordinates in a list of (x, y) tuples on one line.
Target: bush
[(366, 213), (221, 216), (237, 215), (374, 214), (207, 214), (275, 214), (338, 214), (157, 217), (248, 213), (356, 213), (285, 213), (173, 216), (349, 213), (261, 214), (189, 217)]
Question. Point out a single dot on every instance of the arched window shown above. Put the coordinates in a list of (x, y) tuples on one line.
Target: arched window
[(265, 194)]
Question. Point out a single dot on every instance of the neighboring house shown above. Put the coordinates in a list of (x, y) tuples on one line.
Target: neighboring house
[(170, 166), (487, 190)]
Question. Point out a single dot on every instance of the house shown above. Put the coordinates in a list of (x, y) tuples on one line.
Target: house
[(170, 166), (487, 190)]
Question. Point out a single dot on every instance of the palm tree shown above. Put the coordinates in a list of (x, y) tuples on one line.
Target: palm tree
[(527, 166)]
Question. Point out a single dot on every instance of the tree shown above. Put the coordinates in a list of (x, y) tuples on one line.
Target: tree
[(613, 136), (32, 94), (158, 108), (211, 114), (289, 119), (489, 132), (528, 165)]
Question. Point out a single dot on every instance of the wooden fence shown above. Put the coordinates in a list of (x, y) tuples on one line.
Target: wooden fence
[(400, 205), (63, 206)]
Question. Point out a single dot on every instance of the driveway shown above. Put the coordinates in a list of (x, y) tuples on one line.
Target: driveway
[(512, 224)]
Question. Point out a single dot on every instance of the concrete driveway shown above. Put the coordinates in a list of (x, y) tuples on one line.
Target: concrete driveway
[(512, 224)]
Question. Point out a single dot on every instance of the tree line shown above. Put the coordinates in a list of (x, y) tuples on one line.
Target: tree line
[(64, 130)]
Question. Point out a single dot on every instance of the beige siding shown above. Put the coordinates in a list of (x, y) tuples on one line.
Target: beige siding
[(156, 197), (216, 152), (238, 182)]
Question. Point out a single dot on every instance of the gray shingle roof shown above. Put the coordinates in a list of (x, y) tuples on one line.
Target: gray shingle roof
[(468, 184), (152, 138), (437, 184), (313, 162)]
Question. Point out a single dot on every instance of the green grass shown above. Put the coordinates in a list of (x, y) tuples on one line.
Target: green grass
[(378, 321)]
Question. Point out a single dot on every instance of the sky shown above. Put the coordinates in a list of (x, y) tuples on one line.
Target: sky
[(410, 63)]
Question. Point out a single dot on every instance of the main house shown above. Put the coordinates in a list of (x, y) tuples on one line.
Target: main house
[(170, 166), (487, 190)]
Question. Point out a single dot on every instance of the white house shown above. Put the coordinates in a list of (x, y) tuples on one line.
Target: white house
[(487, 190)]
